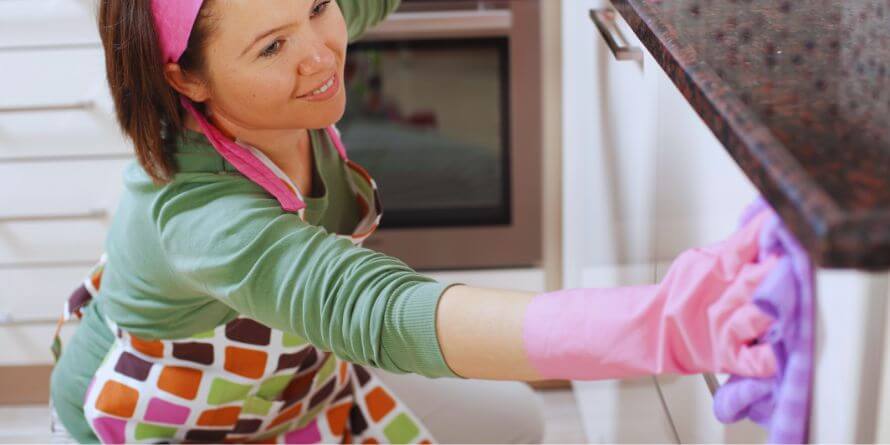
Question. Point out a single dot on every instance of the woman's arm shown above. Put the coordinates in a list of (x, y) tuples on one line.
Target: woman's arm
[(363, 14), (480, 333)]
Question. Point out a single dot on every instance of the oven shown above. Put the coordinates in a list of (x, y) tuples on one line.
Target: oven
[(444, 110)]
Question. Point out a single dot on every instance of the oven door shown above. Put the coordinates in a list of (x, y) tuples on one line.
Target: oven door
[(444, 111)]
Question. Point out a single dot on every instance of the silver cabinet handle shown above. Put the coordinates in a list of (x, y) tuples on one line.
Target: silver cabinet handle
[(90, 214), (604, 19), (8, 321), (66, 158), (712, 382), (87, 105)]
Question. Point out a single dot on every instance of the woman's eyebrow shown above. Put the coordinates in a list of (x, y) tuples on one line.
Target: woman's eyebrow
[(264, 35)]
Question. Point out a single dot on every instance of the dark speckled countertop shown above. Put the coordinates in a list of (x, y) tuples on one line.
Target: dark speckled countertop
[(799, 94)]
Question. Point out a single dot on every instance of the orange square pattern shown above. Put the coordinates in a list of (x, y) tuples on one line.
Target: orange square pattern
[(286, 415), (245, 362), (379, 403), (343, 369), (117, 399), (151, 348), (220, 417), (337, 418), (181, 381)]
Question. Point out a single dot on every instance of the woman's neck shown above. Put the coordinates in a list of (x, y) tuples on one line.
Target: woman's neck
[(289, 149)]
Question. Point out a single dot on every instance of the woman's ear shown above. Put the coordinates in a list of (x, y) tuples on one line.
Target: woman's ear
[(186, 84)]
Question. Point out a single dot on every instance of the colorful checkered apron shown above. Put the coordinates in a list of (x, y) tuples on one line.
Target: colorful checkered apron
[(242, 381)]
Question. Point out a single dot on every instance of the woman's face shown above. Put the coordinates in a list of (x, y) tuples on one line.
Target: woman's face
[(276, 64)]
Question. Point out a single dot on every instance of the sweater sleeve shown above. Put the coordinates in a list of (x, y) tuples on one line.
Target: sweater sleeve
[(230, 241), (363, 14)]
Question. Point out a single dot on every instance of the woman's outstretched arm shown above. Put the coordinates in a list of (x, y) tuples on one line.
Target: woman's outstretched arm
[(700, 318)]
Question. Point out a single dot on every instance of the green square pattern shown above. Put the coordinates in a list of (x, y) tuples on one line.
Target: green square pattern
[(401, 430), (272, 387), (224, 391), (290, 340), (326, 370), (204, 335), (257, 406), (148, 431)]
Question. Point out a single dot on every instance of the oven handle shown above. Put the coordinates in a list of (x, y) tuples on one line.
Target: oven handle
[(443, 24)]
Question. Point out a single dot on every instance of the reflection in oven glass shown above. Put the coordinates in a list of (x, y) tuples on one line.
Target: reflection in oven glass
[(428, 120)]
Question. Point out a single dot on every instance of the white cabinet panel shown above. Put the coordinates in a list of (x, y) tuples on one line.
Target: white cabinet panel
[(529, 280), (629, 411), (51, 77), (47, 22), (38, 293), (609, 140), (690, 405), (56, 103), (51, 242), (48, 188), (700, 191), (30, 345)]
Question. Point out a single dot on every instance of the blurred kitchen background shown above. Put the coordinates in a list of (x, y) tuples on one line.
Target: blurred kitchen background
[(447, 94)]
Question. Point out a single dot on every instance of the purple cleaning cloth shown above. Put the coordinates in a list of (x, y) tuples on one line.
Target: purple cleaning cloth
[(781, 403)]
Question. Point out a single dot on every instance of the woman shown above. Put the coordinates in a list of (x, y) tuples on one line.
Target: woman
[(235, 302)]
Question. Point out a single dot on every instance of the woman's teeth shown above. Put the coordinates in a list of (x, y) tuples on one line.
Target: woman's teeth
[(324, 87)]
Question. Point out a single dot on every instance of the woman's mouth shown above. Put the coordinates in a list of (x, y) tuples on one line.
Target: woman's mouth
[(324, 91)]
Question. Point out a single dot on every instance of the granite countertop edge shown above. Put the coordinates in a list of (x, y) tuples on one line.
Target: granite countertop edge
[(835, 239)]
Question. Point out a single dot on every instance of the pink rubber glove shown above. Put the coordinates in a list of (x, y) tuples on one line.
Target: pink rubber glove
[(698, 319)]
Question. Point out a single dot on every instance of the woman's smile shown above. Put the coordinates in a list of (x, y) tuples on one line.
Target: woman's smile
[(325, 91)]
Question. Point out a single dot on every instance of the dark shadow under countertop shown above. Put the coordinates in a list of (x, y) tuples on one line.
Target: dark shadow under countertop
[(799, 94)]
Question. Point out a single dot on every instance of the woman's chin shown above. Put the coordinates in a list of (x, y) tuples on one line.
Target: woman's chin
[(329, 114)]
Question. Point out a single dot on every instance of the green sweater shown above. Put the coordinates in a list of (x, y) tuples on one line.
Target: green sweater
[(212, 245)]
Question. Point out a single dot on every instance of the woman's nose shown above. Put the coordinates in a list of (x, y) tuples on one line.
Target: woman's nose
[(320, 59)]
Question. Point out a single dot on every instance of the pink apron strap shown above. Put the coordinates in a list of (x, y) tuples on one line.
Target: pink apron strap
[(334, 134), (246, 162)]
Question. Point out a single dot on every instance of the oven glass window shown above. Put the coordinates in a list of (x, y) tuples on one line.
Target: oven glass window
[(429, 119)]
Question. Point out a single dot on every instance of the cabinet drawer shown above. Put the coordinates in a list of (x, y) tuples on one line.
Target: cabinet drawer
[(29, 345), (38, 293), (53, 188), (56, 103), (51, 78), (41, 243), (28, 23)]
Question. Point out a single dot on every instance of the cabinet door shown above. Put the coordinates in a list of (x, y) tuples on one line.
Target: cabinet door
[(622, 411), (608, 162), (700, 192), (609, 142)]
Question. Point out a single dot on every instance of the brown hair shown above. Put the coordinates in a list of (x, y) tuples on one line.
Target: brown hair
[(147, 107)]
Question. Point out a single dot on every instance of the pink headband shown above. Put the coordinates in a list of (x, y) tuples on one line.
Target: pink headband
[(174, 20)]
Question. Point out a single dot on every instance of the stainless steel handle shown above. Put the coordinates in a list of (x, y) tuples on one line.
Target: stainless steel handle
[(443, 24), (90, 214), (18, 265), (712, 382), (8, 321), (66, 158), (604, 19), (86, 105), (51, 47)]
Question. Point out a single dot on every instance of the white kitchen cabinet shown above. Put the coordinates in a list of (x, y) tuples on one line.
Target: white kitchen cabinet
[(645, 179), (61, 159)]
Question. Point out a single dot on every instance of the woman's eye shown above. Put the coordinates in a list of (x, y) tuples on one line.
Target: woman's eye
[(272, 49), (320, 8)]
